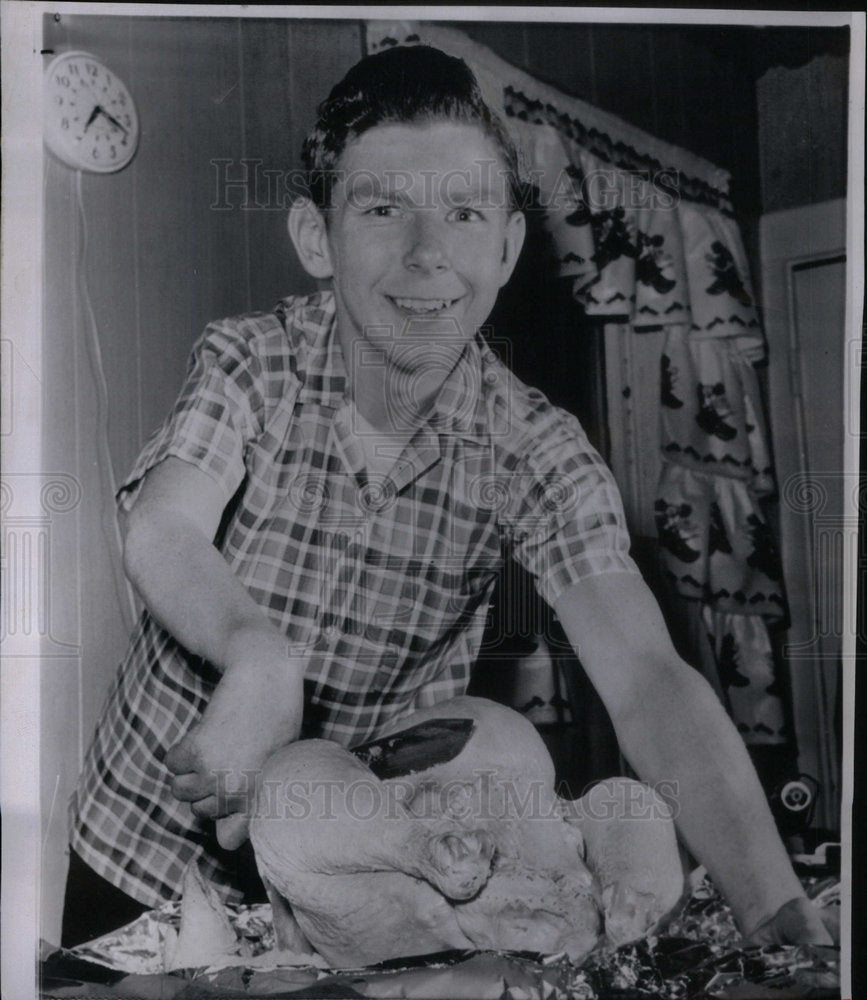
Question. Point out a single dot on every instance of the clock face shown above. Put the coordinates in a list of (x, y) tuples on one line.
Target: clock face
[(90, 117)]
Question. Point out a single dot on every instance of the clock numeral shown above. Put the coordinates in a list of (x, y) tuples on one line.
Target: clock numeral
[(95, 153), (74, 70), (62, 80), (58, 99), (127, 121), (92, 69), (122, 100), (64, 123), (113, 152)]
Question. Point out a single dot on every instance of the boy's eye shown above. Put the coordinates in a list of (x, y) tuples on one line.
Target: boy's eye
[(384, 211), (466, 215)]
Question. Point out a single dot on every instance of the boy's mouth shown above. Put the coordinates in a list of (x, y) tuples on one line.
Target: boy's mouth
[(421, 307)]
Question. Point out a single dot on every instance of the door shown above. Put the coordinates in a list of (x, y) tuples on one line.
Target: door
[(804, 296)]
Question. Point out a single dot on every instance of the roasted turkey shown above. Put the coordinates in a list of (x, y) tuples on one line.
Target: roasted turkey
[(478, 852)]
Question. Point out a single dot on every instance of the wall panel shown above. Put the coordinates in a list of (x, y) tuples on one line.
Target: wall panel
[(160, 262)]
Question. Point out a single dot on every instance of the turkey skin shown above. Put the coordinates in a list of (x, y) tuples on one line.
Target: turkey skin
[(476, 852)]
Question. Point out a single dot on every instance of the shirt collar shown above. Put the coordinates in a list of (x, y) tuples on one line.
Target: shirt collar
[(321, 370), (460, 409)]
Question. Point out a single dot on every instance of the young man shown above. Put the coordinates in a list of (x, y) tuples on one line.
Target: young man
[(316, 528)]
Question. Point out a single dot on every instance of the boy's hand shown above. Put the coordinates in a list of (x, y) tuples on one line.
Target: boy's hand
[(796, 922), (255, 709)]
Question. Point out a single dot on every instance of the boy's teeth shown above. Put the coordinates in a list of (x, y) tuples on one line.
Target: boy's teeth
[(422, 305)]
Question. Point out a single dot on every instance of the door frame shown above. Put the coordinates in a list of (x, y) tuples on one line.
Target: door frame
[(791, 240)]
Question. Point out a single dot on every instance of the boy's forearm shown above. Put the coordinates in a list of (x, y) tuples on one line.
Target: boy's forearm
[(258, 704), (190, 589), (678, 732)]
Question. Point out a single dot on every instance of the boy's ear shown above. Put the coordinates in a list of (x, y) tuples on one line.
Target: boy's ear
[(310, 238), (516, 230)]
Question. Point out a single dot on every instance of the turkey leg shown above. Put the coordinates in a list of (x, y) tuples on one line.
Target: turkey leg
[(631, 848)]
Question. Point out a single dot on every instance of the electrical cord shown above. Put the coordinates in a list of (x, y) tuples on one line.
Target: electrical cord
[(105, 465)]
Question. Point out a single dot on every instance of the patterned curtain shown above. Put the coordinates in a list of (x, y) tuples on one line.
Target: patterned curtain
[(645, 232)]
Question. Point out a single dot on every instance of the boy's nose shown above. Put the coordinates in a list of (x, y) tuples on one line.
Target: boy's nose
[(427, 250)]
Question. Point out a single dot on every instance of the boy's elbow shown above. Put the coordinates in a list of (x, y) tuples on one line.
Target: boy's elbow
[(136, 541), (146, 530), (153, 532)]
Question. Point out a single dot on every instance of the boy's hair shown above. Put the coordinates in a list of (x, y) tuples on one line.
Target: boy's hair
[(403, 85)]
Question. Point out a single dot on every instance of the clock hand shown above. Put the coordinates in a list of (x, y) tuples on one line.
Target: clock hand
[(113, 121), (96, 110)]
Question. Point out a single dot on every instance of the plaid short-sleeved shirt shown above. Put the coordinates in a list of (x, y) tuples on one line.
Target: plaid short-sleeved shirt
[(382, 582)]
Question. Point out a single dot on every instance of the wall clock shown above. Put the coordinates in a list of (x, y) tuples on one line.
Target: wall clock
[(90, 119)]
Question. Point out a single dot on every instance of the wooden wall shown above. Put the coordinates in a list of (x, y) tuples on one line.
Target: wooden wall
[(802, 118), (138, 262)]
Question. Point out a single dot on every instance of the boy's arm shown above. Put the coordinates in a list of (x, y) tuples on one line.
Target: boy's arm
[(672, 728), (189, 588)]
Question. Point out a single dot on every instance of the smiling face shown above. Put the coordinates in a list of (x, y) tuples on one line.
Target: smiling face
[(420, 237)]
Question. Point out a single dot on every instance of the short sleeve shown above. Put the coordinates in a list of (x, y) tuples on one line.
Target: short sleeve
[(569, 523), (220, 409)]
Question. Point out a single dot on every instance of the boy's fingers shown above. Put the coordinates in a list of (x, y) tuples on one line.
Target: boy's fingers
[(181, 759), (232, 831), (215, 806), (830, 916), (207, 808), (192, 787), (796, 922)]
